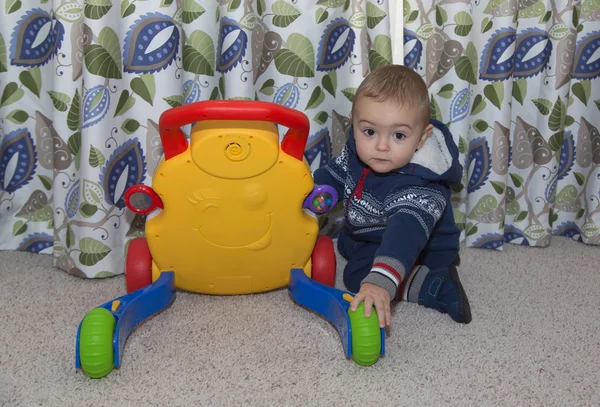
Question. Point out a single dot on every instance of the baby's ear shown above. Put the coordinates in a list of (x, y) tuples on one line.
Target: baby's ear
[(426, 133)]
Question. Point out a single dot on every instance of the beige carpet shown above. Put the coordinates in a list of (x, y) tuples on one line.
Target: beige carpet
[(534, 341)]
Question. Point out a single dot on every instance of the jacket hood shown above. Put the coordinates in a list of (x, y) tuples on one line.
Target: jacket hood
[(437, 160)]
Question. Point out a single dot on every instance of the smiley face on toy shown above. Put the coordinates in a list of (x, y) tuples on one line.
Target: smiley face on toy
[(236, 212), (245, 208)]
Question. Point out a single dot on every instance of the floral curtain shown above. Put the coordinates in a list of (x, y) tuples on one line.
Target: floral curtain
[(82, 84), (517, 82)]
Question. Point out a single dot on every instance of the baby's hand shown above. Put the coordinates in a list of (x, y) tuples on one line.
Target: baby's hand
[(372, 294)]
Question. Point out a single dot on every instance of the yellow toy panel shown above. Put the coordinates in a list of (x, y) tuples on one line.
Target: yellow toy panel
[(233, 221)]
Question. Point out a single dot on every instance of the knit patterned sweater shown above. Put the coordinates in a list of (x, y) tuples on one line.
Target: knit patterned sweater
[(406, 211)]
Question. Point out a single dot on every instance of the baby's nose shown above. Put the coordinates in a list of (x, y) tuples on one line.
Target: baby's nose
[(381, 144)]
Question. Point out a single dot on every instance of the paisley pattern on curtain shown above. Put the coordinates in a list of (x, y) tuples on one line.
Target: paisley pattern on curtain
[(82, 84), (517, 82)]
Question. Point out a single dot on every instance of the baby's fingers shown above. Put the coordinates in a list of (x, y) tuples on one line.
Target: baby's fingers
[(388, 316), (368, 306), (384, 313), (358, 298)]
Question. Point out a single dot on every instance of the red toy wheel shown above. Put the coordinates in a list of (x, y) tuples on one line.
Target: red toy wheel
[(138, 265), (323, 261)]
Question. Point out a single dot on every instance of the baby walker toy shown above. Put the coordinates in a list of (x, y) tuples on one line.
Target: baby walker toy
[(232, 212)]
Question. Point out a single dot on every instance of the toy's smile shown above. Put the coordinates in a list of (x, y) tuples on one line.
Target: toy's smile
[(261, 243)]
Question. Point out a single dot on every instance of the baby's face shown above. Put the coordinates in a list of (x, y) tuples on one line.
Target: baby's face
[(387, 135)]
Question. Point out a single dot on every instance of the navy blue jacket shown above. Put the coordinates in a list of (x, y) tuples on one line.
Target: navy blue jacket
[(406, 211)]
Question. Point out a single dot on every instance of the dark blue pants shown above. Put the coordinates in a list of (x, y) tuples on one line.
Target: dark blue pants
[(360, 256)]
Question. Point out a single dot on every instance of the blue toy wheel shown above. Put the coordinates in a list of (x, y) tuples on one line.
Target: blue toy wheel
[(96, 343)]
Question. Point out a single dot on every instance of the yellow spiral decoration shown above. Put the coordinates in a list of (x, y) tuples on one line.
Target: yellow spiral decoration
[(236, 152)]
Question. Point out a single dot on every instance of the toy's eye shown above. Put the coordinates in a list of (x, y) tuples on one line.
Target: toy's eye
[(203, 203), (209, 205)]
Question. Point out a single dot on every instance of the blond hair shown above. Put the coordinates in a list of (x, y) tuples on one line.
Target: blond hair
[(398, 84)]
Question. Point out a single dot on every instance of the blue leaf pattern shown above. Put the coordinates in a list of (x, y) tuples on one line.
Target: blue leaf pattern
[(72, 199), (95, 105), (459, 107), (127, 161), (335, 46), (412, 56), (191, 92), (527, 65), (36, 39), (237, 41), (568, 229), (587, 57), (495, 64), (319, 143), (36, 243), (512, 233), (489, 241), (479, 154), (551, 189), (142, 52), (17, 144), (567, 155), (288, 95)]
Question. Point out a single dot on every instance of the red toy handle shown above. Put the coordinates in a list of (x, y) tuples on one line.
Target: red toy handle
[(174, 141)]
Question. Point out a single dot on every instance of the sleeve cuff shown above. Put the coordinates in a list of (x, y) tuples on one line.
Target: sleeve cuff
[(387, 272), (382, 281)]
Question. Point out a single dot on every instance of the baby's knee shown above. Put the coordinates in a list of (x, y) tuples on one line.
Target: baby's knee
[(345, 244), (352, 284), (354, 274)]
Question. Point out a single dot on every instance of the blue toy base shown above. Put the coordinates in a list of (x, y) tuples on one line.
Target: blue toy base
[(133, 308)]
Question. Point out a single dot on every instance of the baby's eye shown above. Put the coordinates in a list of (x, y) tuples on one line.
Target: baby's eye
[(369, 132), (399, 136)]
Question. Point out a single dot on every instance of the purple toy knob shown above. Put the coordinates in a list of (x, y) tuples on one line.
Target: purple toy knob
[(322, 199)]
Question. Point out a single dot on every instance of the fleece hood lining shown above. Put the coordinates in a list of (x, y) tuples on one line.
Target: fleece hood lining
[(434, 154)]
